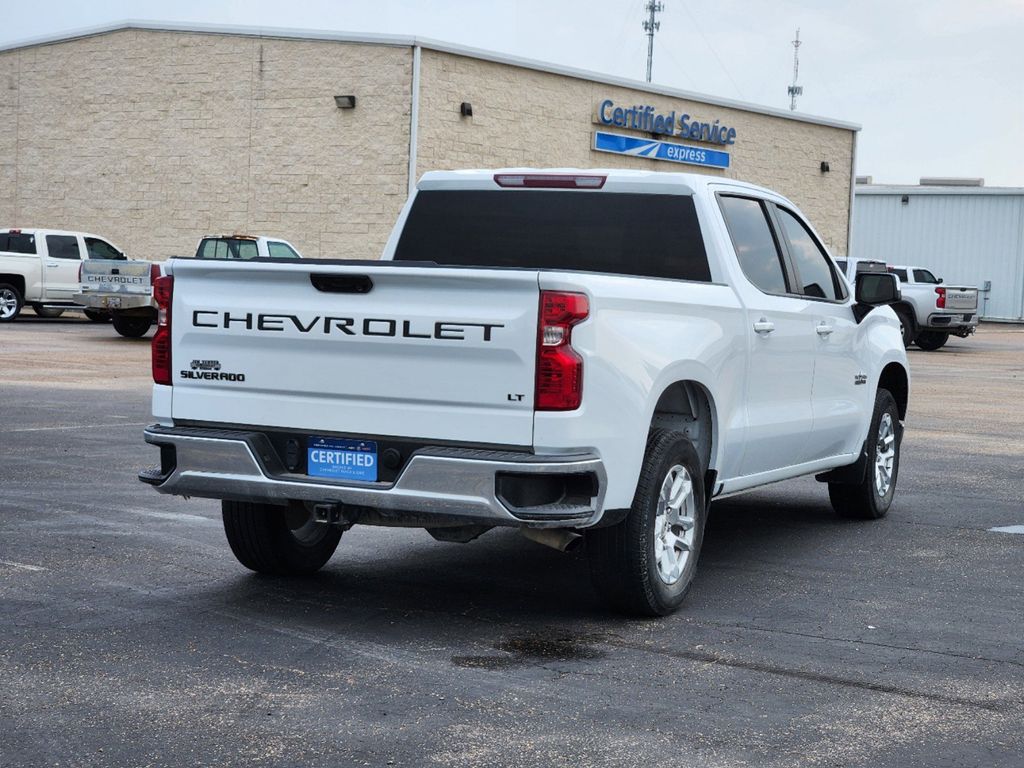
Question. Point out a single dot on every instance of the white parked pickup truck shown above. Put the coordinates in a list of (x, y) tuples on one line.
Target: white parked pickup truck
[(124, 290), (39, 267), (929, 312), (577, 354)]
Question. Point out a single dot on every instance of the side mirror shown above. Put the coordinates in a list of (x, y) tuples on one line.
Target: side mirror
[(875, 289), (940, 281)]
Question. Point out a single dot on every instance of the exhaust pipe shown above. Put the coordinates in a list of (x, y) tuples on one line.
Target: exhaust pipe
[(557, 538)]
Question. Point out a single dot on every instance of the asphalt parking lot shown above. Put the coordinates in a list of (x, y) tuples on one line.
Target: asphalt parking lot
[(129, 635)]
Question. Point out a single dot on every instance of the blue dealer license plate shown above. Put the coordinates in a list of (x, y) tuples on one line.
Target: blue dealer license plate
[(342, 459)]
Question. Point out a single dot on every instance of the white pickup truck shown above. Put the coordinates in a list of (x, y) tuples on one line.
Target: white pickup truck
[(929, 312), (40, 267), (124, 289), (595, 353)]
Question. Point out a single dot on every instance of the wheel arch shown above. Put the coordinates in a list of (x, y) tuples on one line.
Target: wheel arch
[(894, 379), (18, 281), (687, 406)]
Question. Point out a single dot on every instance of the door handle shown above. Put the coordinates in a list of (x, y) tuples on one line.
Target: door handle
[(824, 329), (764, 326), (51, 265)]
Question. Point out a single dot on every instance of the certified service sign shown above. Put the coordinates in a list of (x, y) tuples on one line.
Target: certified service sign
[(617, 144)]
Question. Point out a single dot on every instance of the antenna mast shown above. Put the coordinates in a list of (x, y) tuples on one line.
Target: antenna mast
[(650, 27), (795, 90)]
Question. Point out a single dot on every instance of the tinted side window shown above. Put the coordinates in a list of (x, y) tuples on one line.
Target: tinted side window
[(924, 276), (900, 273), (17, 242), (612, 232), (101, 249), (63, 247), (281, 251), (755, 246), (812, 263)]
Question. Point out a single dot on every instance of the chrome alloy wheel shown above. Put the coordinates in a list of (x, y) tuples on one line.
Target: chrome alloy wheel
[(674, 524), (8, 303), (885, 455)]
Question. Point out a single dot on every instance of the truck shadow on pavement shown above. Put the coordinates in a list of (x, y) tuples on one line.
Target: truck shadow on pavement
[(504, 580)]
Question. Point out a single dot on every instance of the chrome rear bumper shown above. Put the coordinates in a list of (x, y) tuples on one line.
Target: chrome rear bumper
[(450, 483)]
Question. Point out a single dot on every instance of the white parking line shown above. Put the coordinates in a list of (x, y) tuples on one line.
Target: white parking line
[(22, 566), (79, 426), (1008, 529)]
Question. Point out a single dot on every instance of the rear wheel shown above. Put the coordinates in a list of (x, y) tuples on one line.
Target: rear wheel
[(282, 541), (97, 316), (906, 325), (10, 302), (932, 340), (42, 311), (132, 327), (871, 498), (646, 564)]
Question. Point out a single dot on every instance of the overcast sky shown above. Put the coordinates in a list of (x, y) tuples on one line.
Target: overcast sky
[(938, 86)]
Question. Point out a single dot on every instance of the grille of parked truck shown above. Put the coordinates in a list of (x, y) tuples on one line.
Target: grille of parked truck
[(587, 356)]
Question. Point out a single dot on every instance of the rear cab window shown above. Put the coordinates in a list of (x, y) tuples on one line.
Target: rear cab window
[(17, 242), (642, 235), (227, 248)]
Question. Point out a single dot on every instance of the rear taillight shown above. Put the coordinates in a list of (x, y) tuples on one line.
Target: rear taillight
[(559, 366), (163, 291), (154, 273), (940, 298)]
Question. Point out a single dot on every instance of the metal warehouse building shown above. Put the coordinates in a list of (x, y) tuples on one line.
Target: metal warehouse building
[(154, 135), (970, 235)]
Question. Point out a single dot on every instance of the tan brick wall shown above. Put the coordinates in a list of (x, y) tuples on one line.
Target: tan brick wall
[(156, 138), (523, 117)]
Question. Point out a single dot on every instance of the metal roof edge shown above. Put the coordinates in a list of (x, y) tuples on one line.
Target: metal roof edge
[(915, 189), (371, 38)]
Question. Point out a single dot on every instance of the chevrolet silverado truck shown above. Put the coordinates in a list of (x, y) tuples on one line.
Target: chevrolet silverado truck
[(929, 312), (121, 289), (39, 267), (124, 290), (587, 356)]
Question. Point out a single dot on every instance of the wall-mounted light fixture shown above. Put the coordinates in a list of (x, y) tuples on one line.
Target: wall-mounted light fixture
[(905, 199), (466, 109), (824, 166), (345, 102)]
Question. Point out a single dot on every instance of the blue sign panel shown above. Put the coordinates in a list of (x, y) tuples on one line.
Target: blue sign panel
[(659, 150), (342, 459)]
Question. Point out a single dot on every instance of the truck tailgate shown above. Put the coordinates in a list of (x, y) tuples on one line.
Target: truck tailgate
[(961, 298), (356, 349), (127, 277)]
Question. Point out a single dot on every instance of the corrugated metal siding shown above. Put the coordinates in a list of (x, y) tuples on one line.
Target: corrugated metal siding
[(964, 239)]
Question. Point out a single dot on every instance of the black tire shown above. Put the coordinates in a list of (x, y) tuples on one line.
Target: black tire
[(11, 302), (907, 327), (97, 316), (49, 312), (623, 561), (932, 340), (132, 327), (862, 500), (269, 539)]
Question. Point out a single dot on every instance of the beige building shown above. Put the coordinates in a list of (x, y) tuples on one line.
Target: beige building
[(154, 135)]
